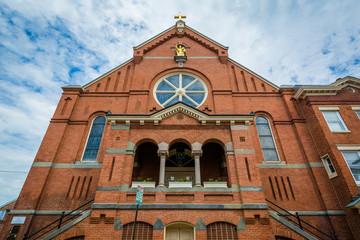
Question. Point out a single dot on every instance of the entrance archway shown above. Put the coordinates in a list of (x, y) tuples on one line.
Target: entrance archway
[(213, 163), (146, 163), (179, 231), (180, 164)]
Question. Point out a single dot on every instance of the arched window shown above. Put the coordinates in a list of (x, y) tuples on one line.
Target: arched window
[(94, 140), (221, 231), (143, 231), (266, 139)]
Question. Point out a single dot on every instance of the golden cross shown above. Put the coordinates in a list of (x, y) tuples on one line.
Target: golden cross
[(179, 16)]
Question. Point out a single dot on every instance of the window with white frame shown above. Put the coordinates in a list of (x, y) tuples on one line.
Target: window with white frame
[(94, 140), (352, 159), (358, 113), (180, 87), (334, 121), (266, 139), (329, 167)]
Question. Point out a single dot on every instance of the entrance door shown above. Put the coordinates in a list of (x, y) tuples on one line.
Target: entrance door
[(180, 232)]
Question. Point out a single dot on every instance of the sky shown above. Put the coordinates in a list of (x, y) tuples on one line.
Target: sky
[(45, 45)]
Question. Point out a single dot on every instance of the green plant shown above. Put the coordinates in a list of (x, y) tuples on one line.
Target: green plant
[(182, 180), (215, 180), (141, 179)]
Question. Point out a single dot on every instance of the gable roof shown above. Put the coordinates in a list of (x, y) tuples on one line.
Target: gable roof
[(173, 27), (171, 32)]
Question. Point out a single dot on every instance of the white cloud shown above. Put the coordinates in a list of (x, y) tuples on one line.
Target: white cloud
[(41, 42)]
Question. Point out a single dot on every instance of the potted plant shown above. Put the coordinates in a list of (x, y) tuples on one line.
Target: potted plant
[(215, 183), (143, 182), (181, 183)]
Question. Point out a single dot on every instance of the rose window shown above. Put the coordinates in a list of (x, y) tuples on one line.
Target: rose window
[(180, 87)]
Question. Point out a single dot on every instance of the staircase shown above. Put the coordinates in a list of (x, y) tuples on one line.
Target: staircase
[(296, 224), (66, 221)]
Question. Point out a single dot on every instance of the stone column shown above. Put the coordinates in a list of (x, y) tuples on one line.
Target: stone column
[(197, 152), (163, 152)]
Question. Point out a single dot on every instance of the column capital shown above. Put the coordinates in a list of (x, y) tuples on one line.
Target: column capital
[(229, 149), (196, 153), (163, 153)]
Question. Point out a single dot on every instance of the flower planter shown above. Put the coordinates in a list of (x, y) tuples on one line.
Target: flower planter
[(143, 184), (180, 185), (215, 184)]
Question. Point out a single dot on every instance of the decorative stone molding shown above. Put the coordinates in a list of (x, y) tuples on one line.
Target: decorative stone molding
[(180, 107), (196, 146), (348, 147), (332, 89), (163, 147), (229, 148)]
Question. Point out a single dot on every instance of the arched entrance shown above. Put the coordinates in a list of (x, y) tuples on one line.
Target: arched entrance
[(179, 231), (213, 163), (146, 163), (179, 165)]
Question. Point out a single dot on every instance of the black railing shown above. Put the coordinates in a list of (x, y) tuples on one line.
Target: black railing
[(65, 217), (303, 225)]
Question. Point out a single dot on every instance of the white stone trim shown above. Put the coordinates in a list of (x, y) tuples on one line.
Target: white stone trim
[(355, 108), (177, 108), (348, 147), (332, 89), (316, 91), (328, 108)]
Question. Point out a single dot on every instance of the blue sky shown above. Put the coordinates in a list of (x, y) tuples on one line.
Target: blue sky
[(48, 44)]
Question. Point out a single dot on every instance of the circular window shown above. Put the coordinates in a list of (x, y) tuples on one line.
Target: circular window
[(180, 87)]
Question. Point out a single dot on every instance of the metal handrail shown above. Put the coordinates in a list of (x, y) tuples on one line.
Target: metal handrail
[(60, 220), (300, 221)]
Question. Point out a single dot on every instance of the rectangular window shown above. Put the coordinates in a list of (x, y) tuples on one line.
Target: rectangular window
[(356, 109), (2, 214), (334, 121), (329, 167), (352, 159), (358, 113)]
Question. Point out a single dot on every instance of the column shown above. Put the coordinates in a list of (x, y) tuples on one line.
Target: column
[(197, 152), (163, 152)]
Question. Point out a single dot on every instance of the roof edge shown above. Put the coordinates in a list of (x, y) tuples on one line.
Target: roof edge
[(107, 73), (207, 38), (154, 37), (255, 74)]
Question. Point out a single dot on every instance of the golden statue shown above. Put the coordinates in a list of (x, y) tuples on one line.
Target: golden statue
[(180, 50)]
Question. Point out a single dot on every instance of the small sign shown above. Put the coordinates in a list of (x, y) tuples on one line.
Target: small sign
[(139, 195), (18, 220)]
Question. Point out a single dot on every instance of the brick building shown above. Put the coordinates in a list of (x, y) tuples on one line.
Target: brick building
[(217, 148)]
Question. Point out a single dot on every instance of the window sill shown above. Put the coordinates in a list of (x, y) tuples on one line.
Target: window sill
[(343, 131), (87, 163), (274, 162), (332, 175)]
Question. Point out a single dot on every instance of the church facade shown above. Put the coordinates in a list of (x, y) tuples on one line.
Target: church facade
[(219, 151)]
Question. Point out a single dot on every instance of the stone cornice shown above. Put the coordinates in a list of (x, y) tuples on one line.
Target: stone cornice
[(332, 89), (180, 108)]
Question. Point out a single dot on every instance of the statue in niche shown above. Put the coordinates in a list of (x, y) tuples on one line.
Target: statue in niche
[(180, 50)]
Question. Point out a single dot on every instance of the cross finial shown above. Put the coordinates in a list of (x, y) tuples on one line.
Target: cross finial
[(179, 16)]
